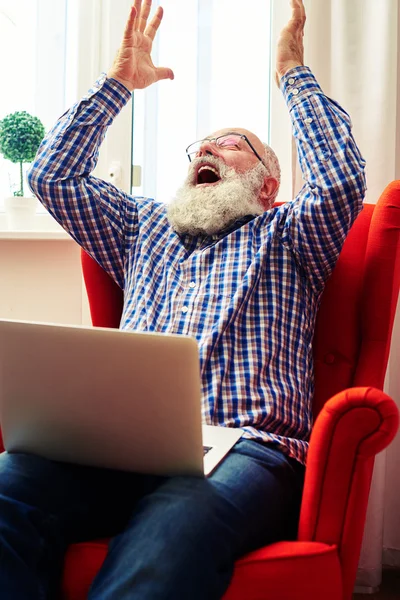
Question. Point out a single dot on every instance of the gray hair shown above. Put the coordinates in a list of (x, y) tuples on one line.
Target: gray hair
[(273, 167)]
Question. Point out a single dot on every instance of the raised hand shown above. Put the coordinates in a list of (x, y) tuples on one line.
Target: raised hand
[(133, 65), (290, 51)]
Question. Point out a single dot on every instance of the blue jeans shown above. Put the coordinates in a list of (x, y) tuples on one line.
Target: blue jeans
[(173, 537)]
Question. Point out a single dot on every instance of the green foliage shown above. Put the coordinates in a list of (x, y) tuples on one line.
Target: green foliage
[(20, 138)]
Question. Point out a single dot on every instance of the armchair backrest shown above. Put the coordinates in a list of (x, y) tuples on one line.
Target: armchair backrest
[(355, 320)]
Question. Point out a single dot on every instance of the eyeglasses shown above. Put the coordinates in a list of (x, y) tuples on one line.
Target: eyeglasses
[(230, 141)]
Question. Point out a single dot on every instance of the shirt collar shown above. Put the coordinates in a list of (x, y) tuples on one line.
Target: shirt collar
[(205, 240), (236, 225)]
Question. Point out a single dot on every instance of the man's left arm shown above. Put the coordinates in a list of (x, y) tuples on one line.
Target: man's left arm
[(317, 222), (319, 219)]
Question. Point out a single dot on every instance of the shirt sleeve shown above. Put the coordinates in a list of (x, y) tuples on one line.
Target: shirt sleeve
[(92, 211), (319, 219)]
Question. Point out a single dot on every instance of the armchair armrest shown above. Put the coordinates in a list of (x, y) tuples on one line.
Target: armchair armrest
[(351, 428)]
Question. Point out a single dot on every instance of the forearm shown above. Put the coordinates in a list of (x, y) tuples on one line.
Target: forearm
[(319, 219), (91, 210), (328, 154), (78, 133)]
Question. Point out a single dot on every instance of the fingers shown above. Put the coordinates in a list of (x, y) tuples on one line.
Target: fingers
[(154, 24), (298, 9), (138, 19), (164, 73), (298, 19), (138, 6), (298, 12), (130, 24), (144, 15)]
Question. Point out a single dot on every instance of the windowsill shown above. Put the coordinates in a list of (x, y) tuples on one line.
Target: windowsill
[(45, 228), (34, 235)]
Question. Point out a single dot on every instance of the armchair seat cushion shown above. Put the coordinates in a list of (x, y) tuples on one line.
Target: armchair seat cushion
[(285, 570), (82, 563), (288, 571)]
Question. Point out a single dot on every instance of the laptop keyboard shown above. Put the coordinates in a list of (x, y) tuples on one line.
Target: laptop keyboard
[(206, 449)]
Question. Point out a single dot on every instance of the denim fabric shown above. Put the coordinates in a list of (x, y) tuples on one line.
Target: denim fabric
[(173, 537)]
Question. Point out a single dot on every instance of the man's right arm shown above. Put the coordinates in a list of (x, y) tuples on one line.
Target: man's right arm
[(92, 211), (96, 213)]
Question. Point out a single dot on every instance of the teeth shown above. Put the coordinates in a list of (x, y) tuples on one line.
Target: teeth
[(209, 169)]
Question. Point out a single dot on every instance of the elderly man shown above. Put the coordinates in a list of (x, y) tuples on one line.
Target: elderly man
[(219, 263)]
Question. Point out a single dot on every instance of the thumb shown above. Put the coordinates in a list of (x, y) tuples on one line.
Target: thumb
[(164, 73)]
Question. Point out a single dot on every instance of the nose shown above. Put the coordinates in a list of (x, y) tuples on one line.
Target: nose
[(208, 147)]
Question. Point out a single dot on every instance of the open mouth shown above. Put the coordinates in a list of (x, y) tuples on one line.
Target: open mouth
[(207, 175)]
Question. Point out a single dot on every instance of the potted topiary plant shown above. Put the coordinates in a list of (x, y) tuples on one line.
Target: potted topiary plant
[(20, 138)]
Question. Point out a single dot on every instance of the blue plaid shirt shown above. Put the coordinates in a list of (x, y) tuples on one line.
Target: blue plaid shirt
[(249, 295)]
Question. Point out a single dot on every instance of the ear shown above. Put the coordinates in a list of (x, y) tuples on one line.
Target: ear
[(267, 191)]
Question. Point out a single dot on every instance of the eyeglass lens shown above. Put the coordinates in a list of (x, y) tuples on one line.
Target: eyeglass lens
[(230, 140)]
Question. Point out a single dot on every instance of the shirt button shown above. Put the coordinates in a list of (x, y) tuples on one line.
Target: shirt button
[(291, 81), (295, 92), (308, 121), (192, 284), (185, 309)]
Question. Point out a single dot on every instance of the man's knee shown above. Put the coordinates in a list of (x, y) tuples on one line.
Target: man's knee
[(23, 468), (36, 481), (197, 510)]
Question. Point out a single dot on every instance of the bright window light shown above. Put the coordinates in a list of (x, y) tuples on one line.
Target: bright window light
[(32, 69), (221, 60)]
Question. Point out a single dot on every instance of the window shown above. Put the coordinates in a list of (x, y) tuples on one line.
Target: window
[(33, 67), (220, 53)]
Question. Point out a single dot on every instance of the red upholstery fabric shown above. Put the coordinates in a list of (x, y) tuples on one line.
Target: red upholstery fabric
[(351, 348), (380, 289), (337, 336), (288, 571), (82, 562), (258, 576), (351, 428), (105, 297)]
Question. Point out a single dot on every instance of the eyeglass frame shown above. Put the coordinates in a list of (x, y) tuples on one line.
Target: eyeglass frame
[(241, 135)]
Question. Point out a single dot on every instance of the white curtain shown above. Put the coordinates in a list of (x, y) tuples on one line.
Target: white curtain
[(353, 48)]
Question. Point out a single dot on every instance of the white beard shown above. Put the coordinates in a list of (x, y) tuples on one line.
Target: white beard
[(211, 209)]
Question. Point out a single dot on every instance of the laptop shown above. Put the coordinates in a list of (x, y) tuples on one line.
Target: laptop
[(107, 398)]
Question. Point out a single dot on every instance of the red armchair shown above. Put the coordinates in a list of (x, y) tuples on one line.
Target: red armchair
[(355, 421)]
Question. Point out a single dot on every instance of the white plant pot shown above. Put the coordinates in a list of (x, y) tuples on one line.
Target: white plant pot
[(20, 212)]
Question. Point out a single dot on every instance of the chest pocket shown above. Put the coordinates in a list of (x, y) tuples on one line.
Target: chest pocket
[(219, 271)]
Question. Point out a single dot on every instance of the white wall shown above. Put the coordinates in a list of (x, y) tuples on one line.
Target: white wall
[(41, 280), (391, 534)]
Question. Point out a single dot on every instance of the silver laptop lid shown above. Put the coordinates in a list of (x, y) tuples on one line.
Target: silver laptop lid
[(105, 395)]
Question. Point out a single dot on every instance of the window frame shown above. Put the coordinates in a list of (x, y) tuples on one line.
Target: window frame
[(98, 43), (149, 148)]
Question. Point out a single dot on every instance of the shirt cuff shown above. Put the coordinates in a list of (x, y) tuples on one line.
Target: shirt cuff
[(297, 84), (110, 92)]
